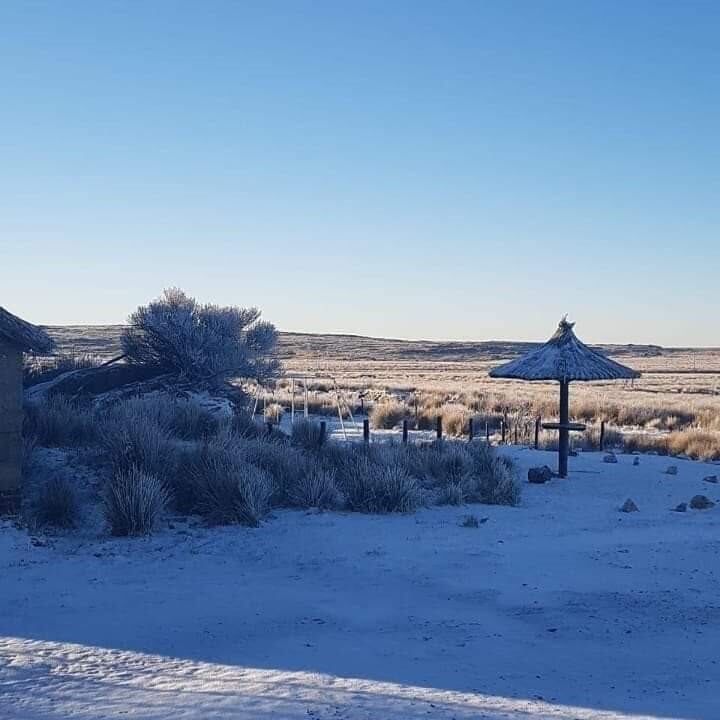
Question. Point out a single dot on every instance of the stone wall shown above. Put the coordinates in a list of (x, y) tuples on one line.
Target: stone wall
[(11, 418)]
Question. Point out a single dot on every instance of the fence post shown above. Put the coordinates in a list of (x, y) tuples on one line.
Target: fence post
[(537, 433), (323, 431), (516, 432), (487, 432), (502, 431), (366, 430), (602, 435), (405, 430), (438, 427), (470, 430)]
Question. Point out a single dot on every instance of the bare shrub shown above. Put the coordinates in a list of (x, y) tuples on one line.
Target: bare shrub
[(229, 489), (57, 421), (202, 342), (386, 415), (315, 488), (54, 501), (133, 502)]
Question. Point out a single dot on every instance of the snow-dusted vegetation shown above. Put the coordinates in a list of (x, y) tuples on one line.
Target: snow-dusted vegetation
[(562, 607)]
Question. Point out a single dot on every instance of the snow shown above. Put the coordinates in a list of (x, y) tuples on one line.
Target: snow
[(561, 608)]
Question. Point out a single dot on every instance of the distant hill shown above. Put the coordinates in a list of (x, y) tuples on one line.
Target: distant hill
[(104, 340)]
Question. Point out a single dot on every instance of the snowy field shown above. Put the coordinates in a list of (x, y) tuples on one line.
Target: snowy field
[(561, 608)]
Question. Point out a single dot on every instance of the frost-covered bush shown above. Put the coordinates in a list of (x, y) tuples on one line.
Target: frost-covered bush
[(53, 501), (57, 421), (201, 342), (134, 435), (377, 480), (229, 489), (133, 502), (315, 488), (285, 465)]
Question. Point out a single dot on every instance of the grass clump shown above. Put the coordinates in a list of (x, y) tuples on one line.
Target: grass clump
[(134, 501), (54, 502), (229, 489), (386, 415), (315, 488), (376, 480), (57, 421)]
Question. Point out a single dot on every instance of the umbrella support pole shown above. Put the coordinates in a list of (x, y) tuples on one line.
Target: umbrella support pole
[(564, 444)]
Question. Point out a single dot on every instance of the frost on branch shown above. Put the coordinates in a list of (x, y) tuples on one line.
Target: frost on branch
[(201, 342)]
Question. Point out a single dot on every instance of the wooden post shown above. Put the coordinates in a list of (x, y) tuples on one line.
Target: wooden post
[(438, 427), (564, 444), (487, 432), (602, 435), (516, 432), (366, 430), (470, 430), (306, 397), (405, 431), (537, 433), (502, 431), (323, 432)]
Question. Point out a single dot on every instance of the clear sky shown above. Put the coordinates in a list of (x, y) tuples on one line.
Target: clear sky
[(452, 170)]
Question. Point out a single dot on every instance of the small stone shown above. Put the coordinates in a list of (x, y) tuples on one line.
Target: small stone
[(636, 461), (671, 470), (610, 458), (539, 475), (701, 502), (629, 506), (682, 507), (711, 479)]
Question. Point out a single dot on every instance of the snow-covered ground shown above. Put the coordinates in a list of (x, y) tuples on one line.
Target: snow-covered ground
[(561, 608)]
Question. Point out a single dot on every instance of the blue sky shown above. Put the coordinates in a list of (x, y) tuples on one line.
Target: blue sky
[(453, 170)]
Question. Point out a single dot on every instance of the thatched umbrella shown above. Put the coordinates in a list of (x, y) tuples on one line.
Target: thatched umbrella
[(565, 359)]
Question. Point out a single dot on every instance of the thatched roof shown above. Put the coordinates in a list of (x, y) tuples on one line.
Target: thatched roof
[(564, 357), (27, 337)]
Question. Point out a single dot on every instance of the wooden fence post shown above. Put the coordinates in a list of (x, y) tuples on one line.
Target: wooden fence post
[(502, 431), (323, 431), (405, 430), (366, 430), (602, 435), (470, 430), (537, 433), (438, 427), (516, 432), (487, 432)]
